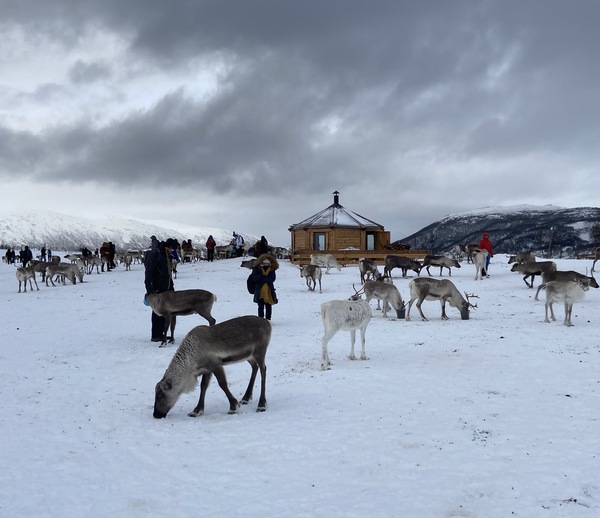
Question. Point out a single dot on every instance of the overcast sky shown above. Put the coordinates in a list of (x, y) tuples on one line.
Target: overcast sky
[(248, 115)]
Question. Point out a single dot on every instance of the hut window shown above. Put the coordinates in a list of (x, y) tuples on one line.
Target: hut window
[(370, 240), (319, 241)]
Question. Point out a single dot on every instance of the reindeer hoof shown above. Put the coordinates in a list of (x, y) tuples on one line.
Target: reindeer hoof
[(234, 410), (196, 414), (261, 408)]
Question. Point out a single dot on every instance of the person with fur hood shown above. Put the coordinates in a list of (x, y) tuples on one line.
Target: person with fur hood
[(263, 276)]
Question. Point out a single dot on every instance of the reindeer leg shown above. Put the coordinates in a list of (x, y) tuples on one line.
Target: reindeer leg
[(219, 373), (248, 395), (410, 302), (172, 325), (363, 354), (207, 316), (546, 307), (352, 341), (552, 311), (167, 317), (568, 310), (325, 362), (423, 317), (262, 400), (199, 410), (443, 303)]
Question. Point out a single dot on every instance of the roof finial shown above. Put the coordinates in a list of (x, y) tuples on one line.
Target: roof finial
[(336, 197)]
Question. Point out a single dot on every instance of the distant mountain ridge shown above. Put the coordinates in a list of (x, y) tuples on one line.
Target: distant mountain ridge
[(547, 230), (69, 233), (563, 232)]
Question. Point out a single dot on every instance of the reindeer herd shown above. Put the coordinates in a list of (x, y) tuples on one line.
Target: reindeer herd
[(205, 350), (355, 313)]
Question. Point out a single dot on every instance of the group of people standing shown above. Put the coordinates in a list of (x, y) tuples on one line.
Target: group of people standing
[(25, 255), (158, 277)]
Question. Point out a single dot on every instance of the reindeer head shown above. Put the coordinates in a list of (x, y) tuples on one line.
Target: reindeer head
[(357, 294), (467, 306)]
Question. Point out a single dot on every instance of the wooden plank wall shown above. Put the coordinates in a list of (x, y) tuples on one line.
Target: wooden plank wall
[(346, 257)]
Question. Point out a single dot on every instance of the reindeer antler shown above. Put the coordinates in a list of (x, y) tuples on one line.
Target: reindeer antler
[(471, 295), (357, 294)]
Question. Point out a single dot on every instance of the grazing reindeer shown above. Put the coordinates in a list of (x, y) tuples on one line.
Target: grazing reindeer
[(444, 291), (312, 273), (398, 261), (170, 304), (479, 260), (205, 351), (62, 270), (570, 275), (569, 292), (441, 261), (388, 294), (24, 275), (368, 270), (344, 315)]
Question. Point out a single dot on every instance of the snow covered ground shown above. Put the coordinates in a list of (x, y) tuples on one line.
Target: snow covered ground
[(495, 416)]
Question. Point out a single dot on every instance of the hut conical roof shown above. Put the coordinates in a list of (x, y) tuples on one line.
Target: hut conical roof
[(337, 216)]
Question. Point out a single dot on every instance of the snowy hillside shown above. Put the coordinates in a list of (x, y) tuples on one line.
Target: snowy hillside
[(548, 230), (62, 232)]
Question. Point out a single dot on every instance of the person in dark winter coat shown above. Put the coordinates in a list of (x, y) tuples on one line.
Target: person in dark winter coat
[(158, 279), (211, 244), (26, 257), (486, 244), (263, 276)]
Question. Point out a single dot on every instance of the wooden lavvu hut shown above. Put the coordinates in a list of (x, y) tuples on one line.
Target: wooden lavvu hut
[(338, 231)]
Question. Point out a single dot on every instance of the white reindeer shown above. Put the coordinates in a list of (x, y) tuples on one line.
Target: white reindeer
[(479, 260), (325, 261), (344, 315), (567, 291), (569, 275)]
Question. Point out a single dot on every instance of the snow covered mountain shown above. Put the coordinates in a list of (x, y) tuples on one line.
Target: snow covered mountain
[(62, 232), (547, 230)]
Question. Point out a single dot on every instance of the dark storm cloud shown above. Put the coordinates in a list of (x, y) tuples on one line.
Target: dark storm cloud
[(315, 93)]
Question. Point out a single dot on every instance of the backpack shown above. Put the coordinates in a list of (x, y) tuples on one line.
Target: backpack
[(250, 284)]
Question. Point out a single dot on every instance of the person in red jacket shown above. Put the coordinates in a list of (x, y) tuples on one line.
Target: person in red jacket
[(486, 244)]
